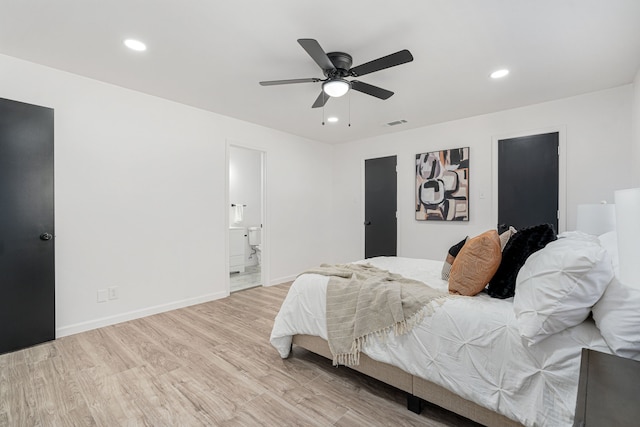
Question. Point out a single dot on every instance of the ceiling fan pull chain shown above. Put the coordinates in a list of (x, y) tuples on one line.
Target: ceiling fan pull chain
[(349, 108), (323, 102)]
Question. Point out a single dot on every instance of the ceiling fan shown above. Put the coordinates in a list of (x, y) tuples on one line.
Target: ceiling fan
[(336, 66)]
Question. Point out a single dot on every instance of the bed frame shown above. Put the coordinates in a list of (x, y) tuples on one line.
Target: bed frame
[(416, 387)]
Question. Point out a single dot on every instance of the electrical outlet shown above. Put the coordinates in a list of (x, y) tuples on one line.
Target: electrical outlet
[(102, 295), (113, 292)]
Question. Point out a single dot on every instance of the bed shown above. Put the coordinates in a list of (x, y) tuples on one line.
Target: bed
[(469, 355)]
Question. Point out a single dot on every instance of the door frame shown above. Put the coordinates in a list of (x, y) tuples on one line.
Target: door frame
[(363, 213), (264, 267), (562, 169)]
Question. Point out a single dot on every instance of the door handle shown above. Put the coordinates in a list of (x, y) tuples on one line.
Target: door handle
[(367, 223), (46, 236)]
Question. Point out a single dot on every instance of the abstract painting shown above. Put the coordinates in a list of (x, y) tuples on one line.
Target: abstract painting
[(442, 185)]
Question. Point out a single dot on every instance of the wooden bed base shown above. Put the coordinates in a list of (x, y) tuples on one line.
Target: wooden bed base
[(416, 387)]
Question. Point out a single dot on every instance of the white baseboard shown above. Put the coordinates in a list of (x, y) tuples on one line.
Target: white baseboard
[(282, 280), (136, 314)]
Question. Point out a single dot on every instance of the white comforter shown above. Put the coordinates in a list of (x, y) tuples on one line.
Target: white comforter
[(470, 345)]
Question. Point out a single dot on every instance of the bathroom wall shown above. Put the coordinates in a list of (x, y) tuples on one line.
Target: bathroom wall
[(245, 182)]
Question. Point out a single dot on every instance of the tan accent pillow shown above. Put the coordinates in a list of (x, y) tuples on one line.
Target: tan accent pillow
[(504, 237), (476, 264)]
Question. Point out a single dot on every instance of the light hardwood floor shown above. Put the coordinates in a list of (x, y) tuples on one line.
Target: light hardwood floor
[(209, 364)]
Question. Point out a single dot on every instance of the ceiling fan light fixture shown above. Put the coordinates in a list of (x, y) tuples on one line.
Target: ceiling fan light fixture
[(336, 87)]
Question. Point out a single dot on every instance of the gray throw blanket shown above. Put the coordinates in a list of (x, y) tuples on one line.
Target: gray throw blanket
[(363, 300)]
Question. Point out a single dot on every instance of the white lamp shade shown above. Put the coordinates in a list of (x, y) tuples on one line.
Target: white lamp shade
[(596, 218), (336, 87), (628, 231)]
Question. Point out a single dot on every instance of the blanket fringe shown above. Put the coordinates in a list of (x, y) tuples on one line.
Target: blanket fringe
[(352, 358)]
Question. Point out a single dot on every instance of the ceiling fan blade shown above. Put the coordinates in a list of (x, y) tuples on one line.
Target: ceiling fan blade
[(317, 53), (376, 91), (286, 82), (392, 60), (321, 100)]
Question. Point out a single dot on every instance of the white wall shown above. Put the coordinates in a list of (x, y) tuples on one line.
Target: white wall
[(141, 188), (635, 142), (140, 197), (597, 128)]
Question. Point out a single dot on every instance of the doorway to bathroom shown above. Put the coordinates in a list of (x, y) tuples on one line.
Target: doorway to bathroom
[(246, 218)]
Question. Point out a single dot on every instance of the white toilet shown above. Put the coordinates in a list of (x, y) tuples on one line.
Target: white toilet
[(255, 241)]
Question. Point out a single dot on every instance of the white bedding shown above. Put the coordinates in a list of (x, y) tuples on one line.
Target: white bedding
[(470, 345)]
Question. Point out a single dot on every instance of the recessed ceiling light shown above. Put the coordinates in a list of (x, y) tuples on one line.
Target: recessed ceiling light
[(136, 45), (332, 119), (499, 73)]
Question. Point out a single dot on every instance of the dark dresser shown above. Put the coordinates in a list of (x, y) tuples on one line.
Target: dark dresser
[(608, 391)]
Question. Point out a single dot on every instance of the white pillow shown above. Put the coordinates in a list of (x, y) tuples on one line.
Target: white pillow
[(617, 315), (609, 241), (578, 235), (558, 285)]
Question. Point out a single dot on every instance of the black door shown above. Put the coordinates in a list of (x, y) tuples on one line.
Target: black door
[(27, 283), (528, 181), (380, 205)]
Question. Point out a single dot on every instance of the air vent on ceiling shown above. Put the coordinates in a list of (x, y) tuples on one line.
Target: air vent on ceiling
[(396, 123)]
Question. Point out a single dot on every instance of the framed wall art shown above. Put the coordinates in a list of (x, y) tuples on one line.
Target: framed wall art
[(442, 185)]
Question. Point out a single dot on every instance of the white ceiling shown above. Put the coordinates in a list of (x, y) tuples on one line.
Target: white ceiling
[(212, 54)]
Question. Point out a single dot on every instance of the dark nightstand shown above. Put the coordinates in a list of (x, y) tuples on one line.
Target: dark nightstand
[(608, 391)]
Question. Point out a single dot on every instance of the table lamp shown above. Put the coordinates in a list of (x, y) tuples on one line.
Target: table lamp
[(628, 231), (596, 219)]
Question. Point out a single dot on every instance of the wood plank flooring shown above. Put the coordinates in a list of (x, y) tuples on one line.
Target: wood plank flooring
[(209, 364)]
